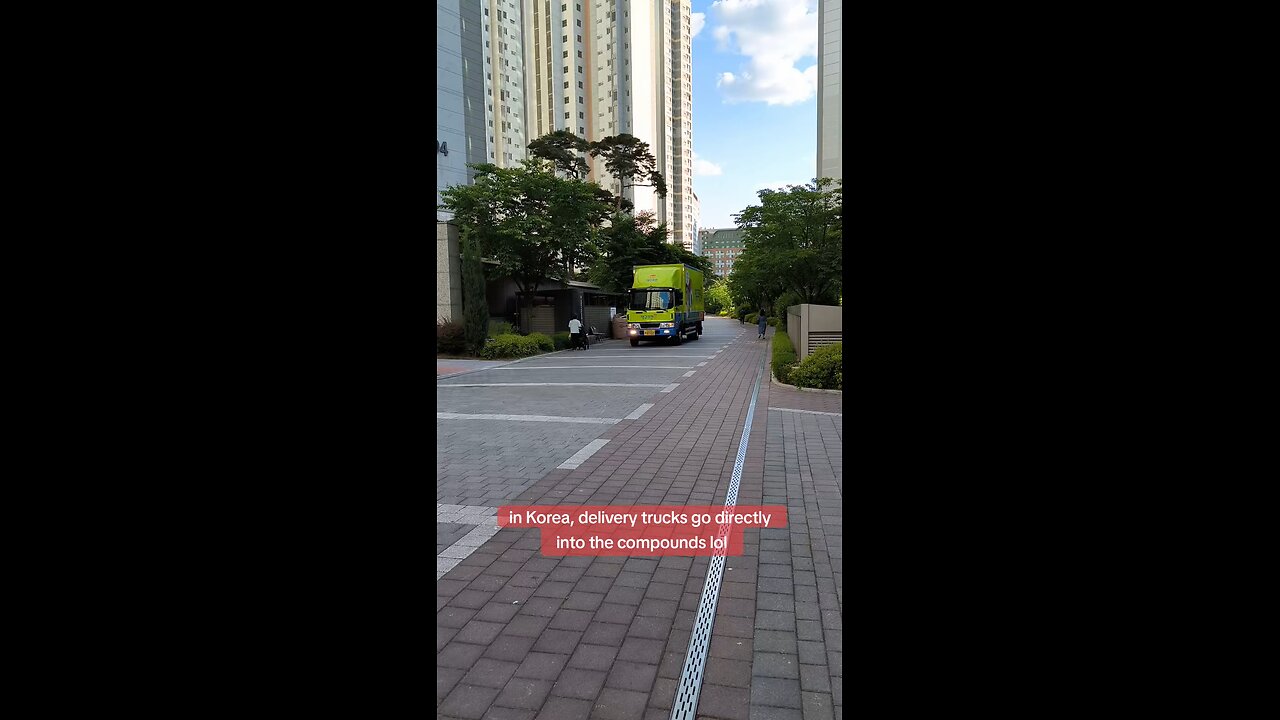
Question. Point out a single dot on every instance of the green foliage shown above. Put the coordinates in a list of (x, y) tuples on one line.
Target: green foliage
[(544, 342), (752, 317), (773, 322), (475, 306), (717, 298), (629, 241), (823, 369), (792, 243), (450, 338), (784, 357), (561, 340), (564, 150), (627, 158), (501, 327), (510, 346), (534, 224)]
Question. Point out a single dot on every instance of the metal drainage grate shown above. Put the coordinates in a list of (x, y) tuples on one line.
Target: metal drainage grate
[(685, 706)]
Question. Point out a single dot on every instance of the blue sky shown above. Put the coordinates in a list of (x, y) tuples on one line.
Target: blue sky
[(754, 107)]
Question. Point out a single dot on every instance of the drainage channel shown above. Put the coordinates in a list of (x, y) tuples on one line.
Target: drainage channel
[(685, 705)]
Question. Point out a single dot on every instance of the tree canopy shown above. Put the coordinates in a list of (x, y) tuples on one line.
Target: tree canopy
[(628, 159), (530, 221), (564, 150), (792, 242)]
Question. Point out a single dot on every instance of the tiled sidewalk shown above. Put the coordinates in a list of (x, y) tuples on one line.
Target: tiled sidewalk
[(525, 636)]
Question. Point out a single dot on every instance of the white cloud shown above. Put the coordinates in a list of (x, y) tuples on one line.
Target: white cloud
[(696, 22), (705, 167), (773, 35)]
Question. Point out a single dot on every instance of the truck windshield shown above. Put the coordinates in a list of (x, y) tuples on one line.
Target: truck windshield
[(651, 299)]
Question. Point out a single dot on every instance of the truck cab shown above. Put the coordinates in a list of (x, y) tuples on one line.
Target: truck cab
[(665, 304)]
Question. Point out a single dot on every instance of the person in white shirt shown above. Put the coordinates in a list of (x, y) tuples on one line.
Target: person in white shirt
[(575, 332)]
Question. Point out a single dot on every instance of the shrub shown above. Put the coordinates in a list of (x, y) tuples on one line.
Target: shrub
[(511, 346), (542, 342), (500, 327), (822, 369), (751, 318), (561, 340), (773, 322), (784, 357), (450, 338)]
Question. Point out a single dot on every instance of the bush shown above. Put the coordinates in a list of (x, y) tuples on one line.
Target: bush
[(751, 318), (784, 357), (500, 327), (543, 342), (451, 338), (561, 340), (822, 369), (773, 322), (512, 346)]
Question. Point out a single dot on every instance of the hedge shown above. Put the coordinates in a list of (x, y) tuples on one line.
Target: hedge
[(784, 357), (509, 346), (450, 338), (823, 369)]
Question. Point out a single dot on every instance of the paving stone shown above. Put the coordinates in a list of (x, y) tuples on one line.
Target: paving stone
[(579, 600), (816, 706), (731, 673), (773, 601), (601, 633), (446, 678), (812, 653), (664, 691), (561, 642), (641, 650), (615, 613), (512, 648), (778, 665), (632, 676), (527, 625), (649, 627), (497, 712), (454, 617), (593, 657), (808, 630), (723, 702), (778, 692), (579, 683), (497, 612), (764, 712), (563, 708), (468, 701), (542, 666), (815, 678), (773, 620), (625, 596), (459, 655), (490, 672), (524, 693)]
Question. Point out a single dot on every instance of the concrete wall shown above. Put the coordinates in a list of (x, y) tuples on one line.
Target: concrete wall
[(448, 273), (812, 326)]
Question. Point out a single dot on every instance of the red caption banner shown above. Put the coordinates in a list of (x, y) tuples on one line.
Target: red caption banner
[(648, 530)]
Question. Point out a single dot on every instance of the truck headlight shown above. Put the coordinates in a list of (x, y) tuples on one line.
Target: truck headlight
[(633, 326), (666, 325)]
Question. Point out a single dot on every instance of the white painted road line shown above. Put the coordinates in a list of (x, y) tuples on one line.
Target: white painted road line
[(551, 385), (582, 455), (701, 364), (527, 418), (579, 367), (671, 387), (635, 414), (807, 412), (689, 373)]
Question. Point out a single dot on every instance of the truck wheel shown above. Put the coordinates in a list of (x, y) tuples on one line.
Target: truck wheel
[(634, 342), (699, 328), (693, 334), (678, 337)]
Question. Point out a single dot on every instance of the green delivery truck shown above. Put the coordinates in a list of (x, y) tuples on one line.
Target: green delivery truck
[(666, 304)]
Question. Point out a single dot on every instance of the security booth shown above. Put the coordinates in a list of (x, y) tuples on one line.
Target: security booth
[(600, 308), (553, 306)]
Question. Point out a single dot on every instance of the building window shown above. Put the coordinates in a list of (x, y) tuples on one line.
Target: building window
[(579, 99), (566, 116), (564, 38), (579, 38), (566, 69), (579, 53), (579, 83), (564, 23), (579, 23), (566, 54)]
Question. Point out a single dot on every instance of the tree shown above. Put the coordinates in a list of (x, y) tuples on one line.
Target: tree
[(792, 243), (717, 297), (628, 241), (526, 219), (563, 149), (627, 158), (475, 306)]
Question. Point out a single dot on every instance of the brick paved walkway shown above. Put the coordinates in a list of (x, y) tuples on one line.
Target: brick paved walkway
[(525, 636)]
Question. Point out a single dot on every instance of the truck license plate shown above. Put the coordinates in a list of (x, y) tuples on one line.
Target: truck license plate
[(649, 332)]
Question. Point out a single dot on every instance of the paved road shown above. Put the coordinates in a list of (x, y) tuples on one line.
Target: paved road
[(520, 635)]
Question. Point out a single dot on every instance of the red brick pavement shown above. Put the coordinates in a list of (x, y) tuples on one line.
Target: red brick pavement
[(525, 636)]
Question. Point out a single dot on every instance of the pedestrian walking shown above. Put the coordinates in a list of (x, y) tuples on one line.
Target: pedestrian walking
[(575, 332), (762, 322), (742, 317)]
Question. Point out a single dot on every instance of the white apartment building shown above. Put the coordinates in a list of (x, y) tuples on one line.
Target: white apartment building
[(606, 67), (830, 79), (510, 71)]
